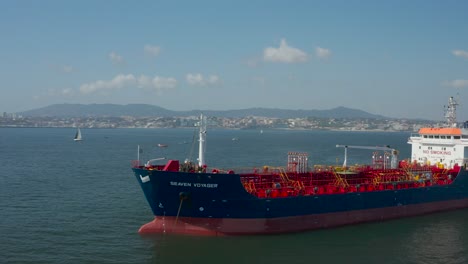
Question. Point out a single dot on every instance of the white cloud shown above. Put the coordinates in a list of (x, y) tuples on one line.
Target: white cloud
[(284, 54), (123, 81), (160, 83), (460, 53), (67, 92), (118, 82), (194, 79), (116, 58), (152, 50), (157, 84), (457, 83), (322, 53), (200, 80), (144, 81), (213, 79)]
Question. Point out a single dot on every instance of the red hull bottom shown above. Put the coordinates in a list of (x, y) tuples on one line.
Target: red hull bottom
[(233, 226), (171, 225)]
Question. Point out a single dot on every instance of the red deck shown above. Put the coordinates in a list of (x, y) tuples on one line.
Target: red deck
[(277, 183)]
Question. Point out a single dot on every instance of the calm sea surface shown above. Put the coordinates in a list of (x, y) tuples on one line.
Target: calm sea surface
[(77, 202)]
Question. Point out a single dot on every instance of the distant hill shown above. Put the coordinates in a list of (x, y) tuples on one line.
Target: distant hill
[(84, 110), (145, 110)]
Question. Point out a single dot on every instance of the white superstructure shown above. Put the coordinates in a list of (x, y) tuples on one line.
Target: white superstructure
[(442, 146)]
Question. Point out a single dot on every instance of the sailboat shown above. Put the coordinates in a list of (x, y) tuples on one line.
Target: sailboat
[(78, 135)]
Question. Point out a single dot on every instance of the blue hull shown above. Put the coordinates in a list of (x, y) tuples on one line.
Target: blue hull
[(216, 199)]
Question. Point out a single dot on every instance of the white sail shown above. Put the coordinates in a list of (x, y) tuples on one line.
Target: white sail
[(78, 135)]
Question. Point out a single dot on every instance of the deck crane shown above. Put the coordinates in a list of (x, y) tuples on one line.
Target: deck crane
[(393, 162)]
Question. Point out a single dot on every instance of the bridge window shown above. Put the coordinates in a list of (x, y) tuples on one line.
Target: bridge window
[(425, 136), (456, 137), (436, 136)]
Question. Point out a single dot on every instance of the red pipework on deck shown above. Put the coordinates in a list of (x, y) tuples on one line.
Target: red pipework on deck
[(278, 184)]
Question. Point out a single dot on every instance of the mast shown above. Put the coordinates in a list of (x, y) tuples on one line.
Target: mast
[(202, 141), (138, 155), (451, 112)]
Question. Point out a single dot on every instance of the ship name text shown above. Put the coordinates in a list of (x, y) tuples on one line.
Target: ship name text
[(195, 184)]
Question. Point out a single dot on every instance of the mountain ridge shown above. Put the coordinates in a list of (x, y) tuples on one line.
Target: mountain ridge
[(147, 110)]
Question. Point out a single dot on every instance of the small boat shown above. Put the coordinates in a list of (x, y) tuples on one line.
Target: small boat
[(78, 135), (162, 145)]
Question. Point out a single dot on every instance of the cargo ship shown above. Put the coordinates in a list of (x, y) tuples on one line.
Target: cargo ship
[(192, 198)]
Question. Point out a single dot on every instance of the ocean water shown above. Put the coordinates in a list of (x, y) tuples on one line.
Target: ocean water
[(77, 202)]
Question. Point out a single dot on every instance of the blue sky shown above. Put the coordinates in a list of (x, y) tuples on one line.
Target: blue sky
[(394, 58)]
